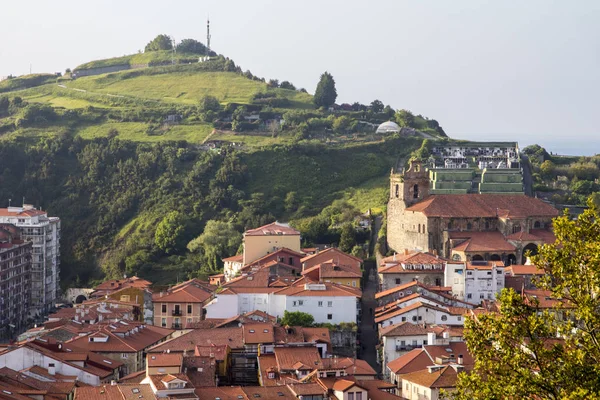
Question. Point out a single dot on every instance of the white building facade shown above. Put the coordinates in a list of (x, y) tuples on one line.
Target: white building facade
[(44, 233), (475, 281)]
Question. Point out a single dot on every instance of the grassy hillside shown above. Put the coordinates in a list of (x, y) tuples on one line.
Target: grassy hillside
[(141, 58)]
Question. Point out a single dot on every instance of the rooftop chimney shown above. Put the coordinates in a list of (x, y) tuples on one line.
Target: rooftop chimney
[(51, 369), (460, 359), (431, 338)]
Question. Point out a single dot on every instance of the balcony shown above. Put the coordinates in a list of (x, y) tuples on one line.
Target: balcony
[(176, 326), (405, 347), (176, 312)]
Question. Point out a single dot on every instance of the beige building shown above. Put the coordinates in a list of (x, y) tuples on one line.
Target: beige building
[(264, 240), (464, 227), (182, 304)]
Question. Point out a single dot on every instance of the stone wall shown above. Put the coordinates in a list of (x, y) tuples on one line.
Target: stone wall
[(343, 342)]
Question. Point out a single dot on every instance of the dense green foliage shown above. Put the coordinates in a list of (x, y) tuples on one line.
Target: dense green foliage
[(131, 207), (567, 180), (192, 46), (525, 351), (297, 318), (161, 42), (326, 93)]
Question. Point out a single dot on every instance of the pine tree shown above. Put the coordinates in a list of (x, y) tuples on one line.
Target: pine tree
[(325, 94)]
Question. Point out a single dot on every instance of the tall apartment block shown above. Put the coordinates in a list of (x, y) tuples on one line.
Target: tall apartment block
[(44, 234), (15, 281)]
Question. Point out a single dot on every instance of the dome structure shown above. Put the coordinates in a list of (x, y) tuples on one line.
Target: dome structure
[(388, 127)]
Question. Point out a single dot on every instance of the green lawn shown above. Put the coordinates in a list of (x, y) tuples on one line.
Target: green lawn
[(177, 87)]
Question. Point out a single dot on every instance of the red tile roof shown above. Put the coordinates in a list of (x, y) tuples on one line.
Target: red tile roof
[(272, 229), (403, 329), (239, 258), (445, 377), (483, 205), (258, 333), (304, 287), (414, 360), (164, 360), (404, 310), (330, 269), (295, 358), (232, 337), (395, 289), (147, 336), (330, 253), (222, 392), (524, 270), (188, 292), (486, 241)]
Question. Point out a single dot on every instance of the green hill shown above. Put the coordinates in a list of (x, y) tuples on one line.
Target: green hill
[(138, 162)]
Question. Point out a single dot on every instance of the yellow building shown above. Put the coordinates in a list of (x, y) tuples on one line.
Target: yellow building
[(264, 240)]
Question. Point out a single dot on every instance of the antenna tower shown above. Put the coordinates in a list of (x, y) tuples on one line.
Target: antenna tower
[(173, 51), (207, 37)]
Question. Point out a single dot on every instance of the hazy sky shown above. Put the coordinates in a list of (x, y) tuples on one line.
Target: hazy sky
[(501, 69)]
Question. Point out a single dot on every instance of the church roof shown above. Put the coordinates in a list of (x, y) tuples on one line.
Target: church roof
[(483, 206)]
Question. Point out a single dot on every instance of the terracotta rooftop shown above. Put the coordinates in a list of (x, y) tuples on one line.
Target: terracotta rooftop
[(237, 258), (487, 241), (272, 229), (304, 287), (404, 310), (273, 392), (524, 270), (164, 359), (231, 337), (329, 269), (403, 329), (146, 336), (330, 253), (222, 392), (445, 378), (258, 333), (484, 206), (395, 289), (189, 292), (294, 358)]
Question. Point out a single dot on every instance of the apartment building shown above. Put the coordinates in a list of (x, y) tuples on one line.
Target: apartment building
[(15, 275), (475, 281), (44, 234), (182, 304)]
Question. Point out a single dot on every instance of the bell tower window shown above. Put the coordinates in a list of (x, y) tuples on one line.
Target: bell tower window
[(397, 190), (416, 191)]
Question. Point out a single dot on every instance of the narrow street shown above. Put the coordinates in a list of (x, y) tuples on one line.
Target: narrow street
[(368, 333)]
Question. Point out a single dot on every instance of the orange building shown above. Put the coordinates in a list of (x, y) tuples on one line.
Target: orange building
[(182, 304)]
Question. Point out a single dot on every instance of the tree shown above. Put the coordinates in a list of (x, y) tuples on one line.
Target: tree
[(219, 239), (341, 125), (209, 103), (405, 118), (287, 85), (297, 318), (4, 104), (325, 94), (347, 238), (377, 106), (548, 169), (523, 351), (229, 66), (273, 83), (169, 232), (191, 46), (161, 42)]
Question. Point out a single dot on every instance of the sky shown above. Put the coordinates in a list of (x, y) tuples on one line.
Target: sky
[(485, 70)]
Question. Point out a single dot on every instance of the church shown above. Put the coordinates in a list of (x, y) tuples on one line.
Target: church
[(464, 227)]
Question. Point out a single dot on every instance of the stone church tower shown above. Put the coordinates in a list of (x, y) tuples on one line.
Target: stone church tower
[(406, 188)]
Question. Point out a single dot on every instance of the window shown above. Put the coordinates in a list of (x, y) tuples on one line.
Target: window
[(416, 191), (398, 281), (487, 225), (481, 296), (397, 191), (294, 303), (320, 304), (329, 316), (189, 307), (291, 260), (469, 226), (189, 320), (414, 318), (456, 257), (499, 272), (516, 228), (164, 308), (419, 228), (351, 396), (124, 355), (163, 322), (358, 395), (330, 304), (469, 296), (414, 343), (469, 272), (403, 343), (444, 317), (459, 318), (403, 319), (300, 302), (125, 297)]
